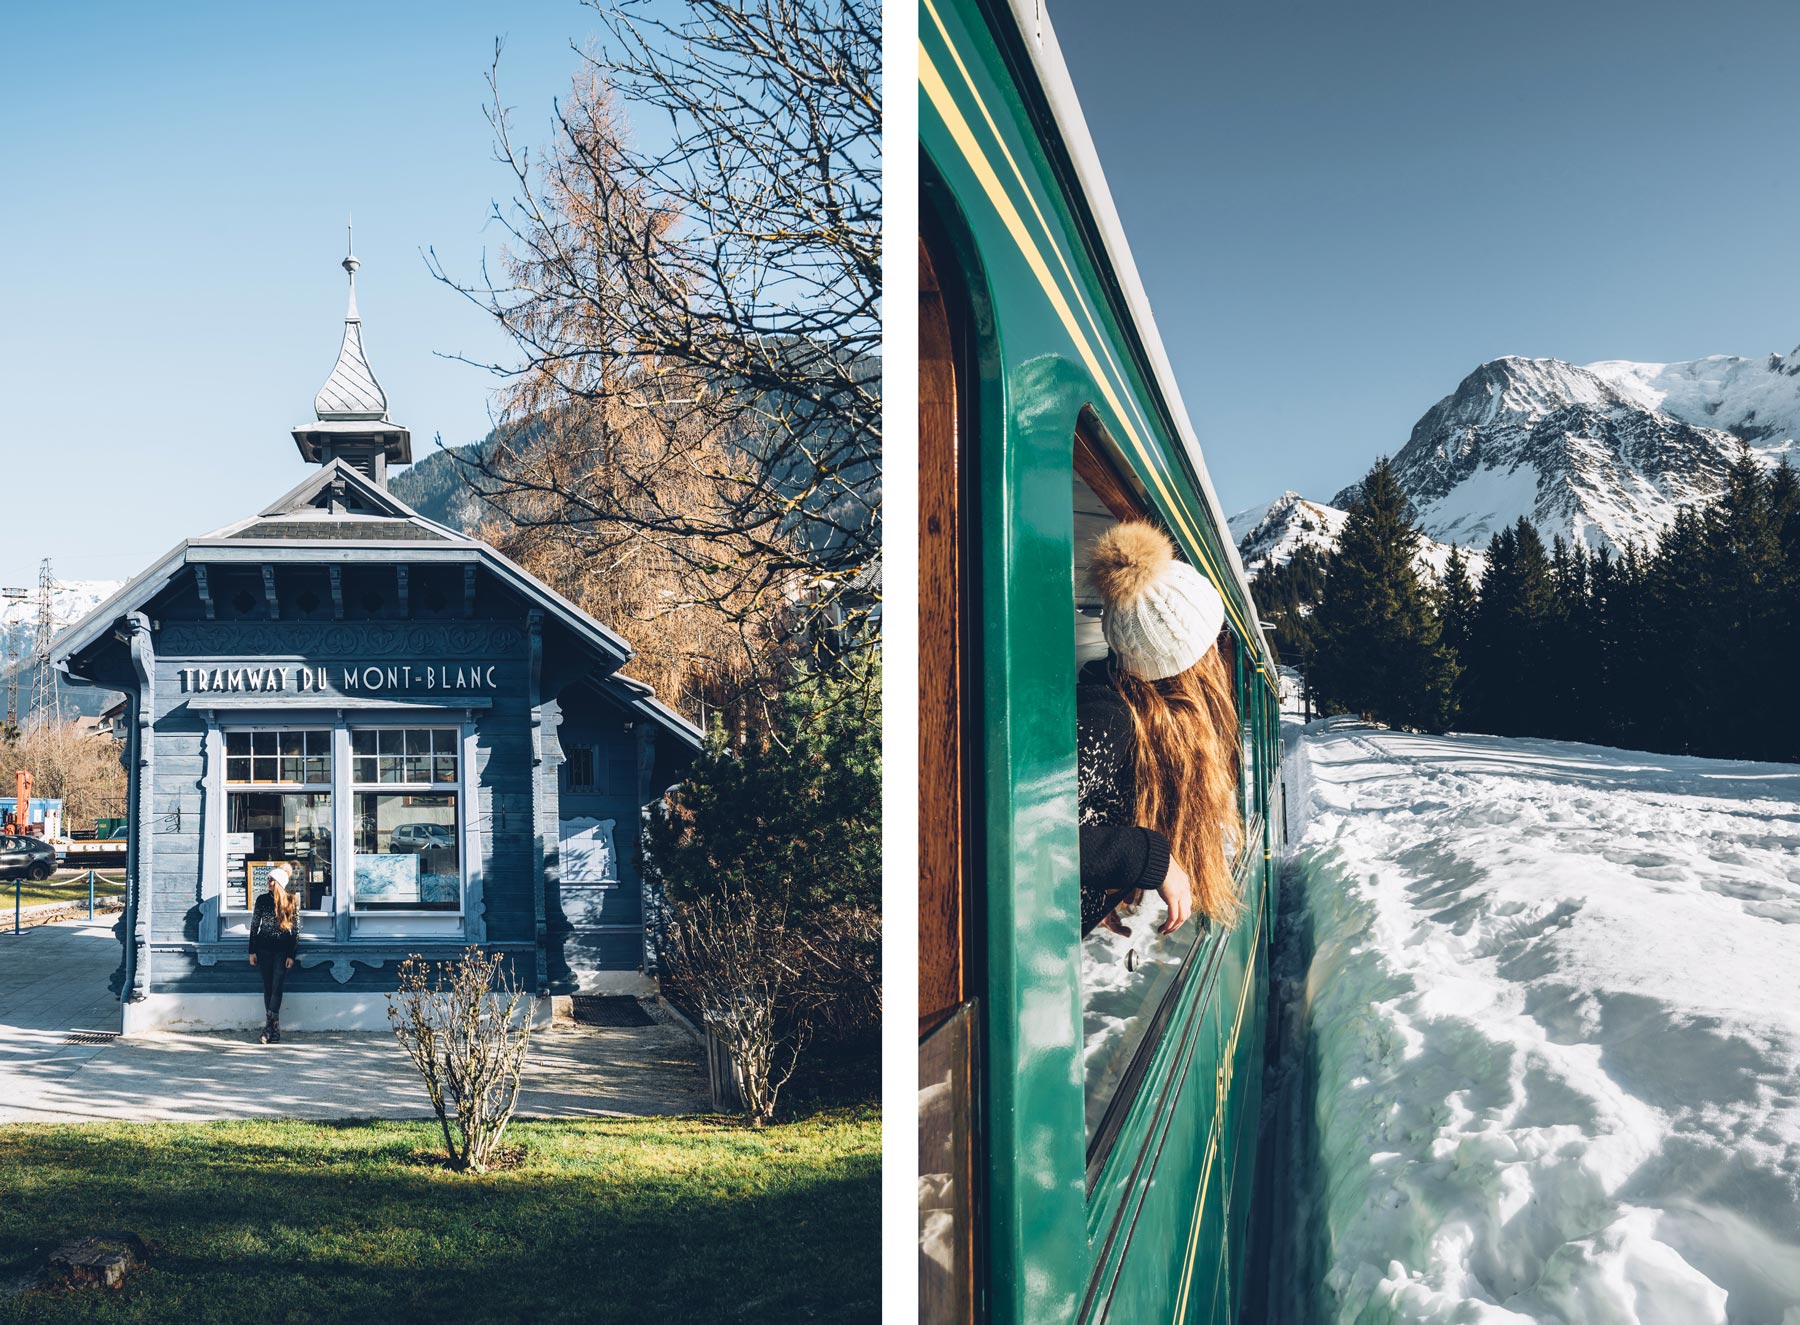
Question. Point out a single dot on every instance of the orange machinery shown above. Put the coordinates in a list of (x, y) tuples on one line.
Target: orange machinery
[(21, 815)]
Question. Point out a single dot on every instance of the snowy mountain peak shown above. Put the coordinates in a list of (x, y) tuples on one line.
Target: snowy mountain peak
[(70, 600), (1603, 454), (1270, 535), (1290, 523)]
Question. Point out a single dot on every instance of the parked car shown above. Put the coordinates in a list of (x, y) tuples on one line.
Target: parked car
[(26, 858), (419, 837)]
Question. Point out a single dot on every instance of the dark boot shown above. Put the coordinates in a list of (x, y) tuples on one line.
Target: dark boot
[(268, 1027), (275, 1028)]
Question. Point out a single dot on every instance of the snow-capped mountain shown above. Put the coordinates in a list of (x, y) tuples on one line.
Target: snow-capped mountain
[(70, 600), (1755, 400), (1270, 535), (1604, 454), (1578, 452)]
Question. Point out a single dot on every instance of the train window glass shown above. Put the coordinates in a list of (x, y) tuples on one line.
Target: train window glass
[(1126, 972)]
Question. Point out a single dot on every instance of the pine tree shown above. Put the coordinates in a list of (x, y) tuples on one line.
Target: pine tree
[(1507, 645), (1377, 645), (1285, 597), (1456, 614), (1783, 639), (1678, 704), (1746, 569), (793, 816)]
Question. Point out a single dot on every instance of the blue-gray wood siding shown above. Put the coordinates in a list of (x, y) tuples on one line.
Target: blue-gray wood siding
[(499, 800), (593, 723)]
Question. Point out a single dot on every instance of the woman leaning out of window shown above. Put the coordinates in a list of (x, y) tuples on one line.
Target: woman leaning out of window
[(1156, 732)]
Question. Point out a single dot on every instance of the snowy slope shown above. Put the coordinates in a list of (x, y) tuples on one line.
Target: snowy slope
[(1270, 535), (1757, 400), (1548, 1067)]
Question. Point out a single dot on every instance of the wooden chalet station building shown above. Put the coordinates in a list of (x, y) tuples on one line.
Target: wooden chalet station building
[(439, 747)]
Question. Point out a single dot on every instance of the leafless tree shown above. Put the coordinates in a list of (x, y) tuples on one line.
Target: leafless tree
[(467, 1026), (843, 956), (735, 958), (70, 762), (696, 306)]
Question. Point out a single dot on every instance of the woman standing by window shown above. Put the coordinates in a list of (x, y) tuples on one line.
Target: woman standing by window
[(1157, 739), (274, 937)]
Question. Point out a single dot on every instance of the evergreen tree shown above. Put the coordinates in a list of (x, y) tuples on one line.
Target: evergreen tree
[(1457, 617), (1678, 706), (1376, 643), (1285, 597), (793, 816), (1507, 646), (1783, 639), (1745, 569)]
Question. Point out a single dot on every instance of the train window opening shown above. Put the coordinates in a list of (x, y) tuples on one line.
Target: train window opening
[(1128, 968), (1130, 972)]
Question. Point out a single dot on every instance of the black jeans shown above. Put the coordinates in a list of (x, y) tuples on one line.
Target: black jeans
[(272, 962)]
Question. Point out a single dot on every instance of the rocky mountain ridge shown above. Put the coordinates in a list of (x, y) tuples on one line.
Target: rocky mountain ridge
[(1603, 454)]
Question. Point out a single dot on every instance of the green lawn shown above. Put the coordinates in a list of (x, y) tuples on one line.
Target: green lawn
[(68, 888), (635, 1219)]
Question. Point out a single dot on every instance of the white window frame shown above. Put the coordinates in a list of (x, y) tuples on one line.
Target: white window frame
[(368, 919), (228, 789)]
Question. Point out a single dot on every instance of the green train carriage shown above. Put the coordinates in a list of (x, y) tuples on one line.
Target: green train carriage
[(1088, 1107)]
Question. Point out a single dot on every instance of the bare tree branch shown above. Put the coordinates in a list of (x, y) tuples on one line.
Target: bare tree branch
[(698, 319)]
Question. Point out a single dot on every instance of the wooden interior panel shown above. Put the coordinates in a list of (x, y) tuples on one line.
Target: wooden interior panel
[(1096, 468), (942, 901)]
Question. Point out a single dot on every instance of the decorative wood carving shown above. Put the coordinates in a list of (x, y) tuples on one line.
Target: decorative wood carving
[(329, 640)]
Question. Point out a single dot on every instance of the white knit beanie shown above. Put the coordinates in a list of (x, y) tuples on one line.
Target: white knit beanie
[(1161, 615)]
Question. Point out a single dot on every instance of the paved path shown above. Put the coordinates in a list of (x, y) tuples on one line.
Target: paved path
[(53, 982)]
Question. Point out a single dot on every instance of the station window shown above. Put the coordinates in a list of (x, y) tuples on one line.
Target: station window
[(579, 761), (278, 788), (406, 818), (1129, 971)]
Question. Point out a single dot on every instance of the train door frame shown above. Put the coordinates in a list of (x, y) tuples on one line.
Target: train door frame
[(952, 903)]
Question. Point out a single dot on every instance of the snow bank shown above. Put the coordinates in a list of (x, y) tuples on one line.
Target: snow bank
[(1551, 1033)]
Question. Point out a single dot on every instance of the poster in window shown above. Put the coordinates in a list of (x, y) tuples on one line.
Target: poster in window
[(256, 873), (388, 878)]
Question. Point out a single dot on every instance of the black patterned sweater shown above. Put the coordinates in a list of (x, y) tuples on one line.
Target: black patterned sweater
[(266, 933), (1117, 856)]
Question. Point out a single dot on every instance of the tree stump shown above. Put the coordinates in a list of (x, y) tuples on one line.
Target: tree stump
[(101, 1260)]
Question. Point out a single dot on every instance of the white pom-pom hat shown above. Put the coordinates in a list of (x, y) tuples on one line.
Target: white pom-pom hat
[(1160, 615)]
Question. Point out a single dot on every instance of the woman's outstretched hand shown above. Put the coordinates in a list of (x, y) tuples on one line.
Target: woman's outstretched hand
[(1177, 892)]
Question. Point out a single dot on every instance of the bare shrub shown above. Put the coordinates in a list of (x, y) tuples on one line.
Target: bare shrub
[(737, 962), (842, 992), (467, 1026)]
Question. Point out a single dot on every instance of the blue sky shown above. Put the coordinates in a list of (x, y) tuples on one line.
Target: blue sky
[(1340, 210), (176, 181)]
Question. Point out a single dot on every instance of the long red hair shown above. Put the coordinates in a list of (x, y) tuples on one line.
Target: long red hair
[(287, 904), (1185, 730)]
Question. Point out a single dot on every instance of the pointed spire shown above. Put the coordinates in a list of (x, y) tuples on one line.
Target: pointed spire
[(350, 265), (351, 392)]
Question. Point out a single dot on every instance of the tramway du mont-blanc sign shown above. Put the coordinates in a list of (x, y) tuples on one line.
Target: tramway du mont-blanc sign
[(345, 678)]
